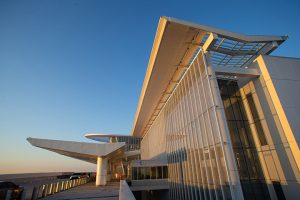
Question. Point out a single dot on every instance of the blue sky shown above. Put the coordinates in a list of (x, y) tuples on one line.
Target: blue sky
[(73, 67)]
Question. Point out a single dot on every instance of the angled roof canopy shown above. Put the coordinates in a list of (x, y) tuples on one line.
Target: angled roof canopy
[(175, 44), (80, 150)]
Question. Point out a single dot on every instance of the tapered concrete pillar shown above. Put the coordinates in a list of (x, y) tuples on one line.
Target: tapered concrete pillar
[(101, 171)]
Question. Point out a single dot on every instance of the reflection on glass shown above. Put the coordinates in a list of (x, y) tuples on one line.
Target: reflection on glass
[(153, 172), (249, 168), (257, 122), (142, 173), (165, 172)]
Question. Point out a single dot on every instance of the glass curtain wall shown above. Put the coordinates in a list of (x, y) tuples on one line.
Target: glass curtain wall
[(189, 127), (132, 143), (156, 172), (249, 168)]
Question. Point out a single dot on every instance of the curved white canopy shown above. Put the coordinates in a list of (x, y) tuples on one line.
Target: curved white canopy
[(103, 137)]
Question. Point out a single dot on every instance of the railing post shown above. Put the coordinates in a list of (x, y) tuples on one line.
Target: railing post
[(23, 195), (62, 186), (8, 194), (45, 188), (34, 194), (50, 189), (40, 191), (58, 187), (53, 188), (67, 185)]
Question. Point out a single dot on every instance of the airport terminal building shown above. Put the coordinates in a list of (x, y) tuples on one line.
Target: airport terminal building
[(218, 118)]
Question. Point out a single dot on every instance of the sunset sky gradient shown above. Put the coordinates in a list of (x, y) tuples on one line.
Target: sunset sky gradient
[(68, 68)]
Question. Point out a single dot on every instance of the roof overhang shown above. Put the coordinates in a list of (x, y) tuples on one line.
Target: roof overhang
[(79, 150), (175, 44)]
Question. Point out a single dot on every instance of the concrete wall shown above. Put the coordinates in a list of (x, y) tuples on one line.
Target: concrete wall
[(276, 94), (285, 76)]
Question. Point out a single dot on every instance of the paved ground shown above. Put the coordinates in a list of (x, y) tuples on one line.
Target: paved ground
[(89, 191)]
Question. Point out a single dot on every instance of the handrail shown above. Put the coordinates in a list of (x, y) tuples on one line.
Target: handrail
[(125, 193), (45, 190)]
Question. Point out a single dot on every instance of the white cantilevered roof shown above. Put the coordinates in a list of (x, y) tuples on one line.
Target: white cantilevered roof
[(175, 44), (79, 150)]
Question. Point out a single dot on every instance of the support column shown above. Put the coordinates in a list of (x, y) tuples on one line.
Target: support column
[(101, 171)]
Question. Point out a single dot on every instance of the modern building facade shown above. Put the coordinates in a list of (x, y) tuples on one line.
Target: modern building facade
[(219, 112)]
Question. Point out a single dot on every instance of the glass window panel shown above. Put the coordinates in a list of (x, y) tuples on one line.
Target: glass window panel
[(141, 173), (165, 172), (134, 173), (242, 133), (260, 133), (247, 189), (159, 173), (252, 107), (257, 122), (235, 138), (236, 108), (248, 164), (153, 173), (278, 190), (147, 172)]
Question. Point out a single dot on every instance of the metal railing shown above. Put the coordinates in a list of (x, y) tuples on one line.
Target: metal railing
[(45, 190)]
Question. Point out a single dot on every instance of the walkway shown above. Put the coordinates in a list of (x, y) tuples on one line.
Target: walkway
[(89, 191)]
